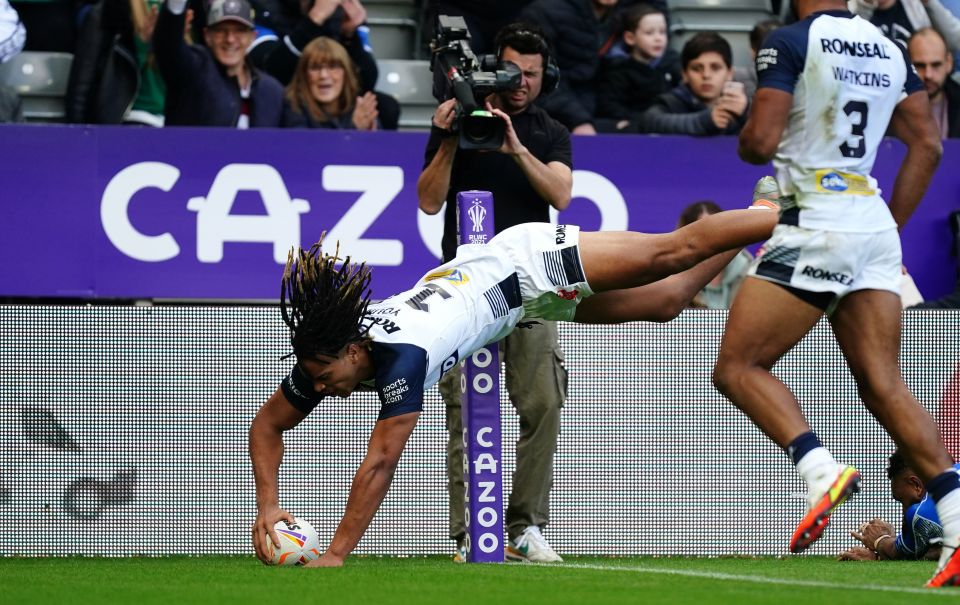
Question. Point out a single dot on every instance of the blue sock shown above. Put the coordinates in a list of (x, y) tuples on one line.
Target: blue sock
[(943, 484), (802, 445)]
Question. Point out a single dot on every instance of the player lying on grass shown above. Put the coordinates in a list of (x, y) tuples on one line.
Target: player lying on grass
[(921, 532), (401, 346)]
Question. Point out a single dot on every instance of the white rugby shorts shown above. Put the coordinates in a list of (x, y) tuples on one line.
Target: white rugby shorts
[(547, 258), (831, 261)]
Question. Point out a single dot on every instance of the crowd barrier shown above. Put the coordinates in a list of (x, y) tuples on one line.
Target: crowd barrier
[(123, 431)]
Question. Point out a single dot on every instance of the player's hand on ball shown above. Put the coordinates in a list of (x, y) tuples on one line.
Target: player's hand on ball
[(327, 559), (263, 531)]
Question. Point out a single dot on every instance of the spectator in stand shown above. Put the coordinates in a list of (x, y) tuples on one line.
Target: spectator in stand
[(290, 25), (719, 293), (12, 38), (748, 75), (51, 23), (954, 7), (899, 19), (114, 77), (285, 27), (214, 85), (580, 33), (640, 67), (708, 102), (324, 90), (934, 64), (13, 35)]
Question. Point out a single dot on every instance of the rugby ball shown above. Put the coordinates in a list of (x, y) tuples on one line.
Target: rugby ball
[(299, 543)]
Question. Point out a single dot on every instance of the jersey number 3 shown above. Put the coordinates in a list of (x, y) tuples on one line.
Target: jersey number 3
[(857, 112)]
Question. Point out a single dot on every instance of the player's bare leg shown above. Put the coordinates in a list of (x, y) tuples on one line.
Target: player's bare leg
[(660, 301), (867, 326), (626, 259), (765, 322)]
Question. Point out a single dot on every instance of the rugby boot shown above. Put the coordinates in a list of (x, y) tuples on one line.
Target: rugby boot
[(822, 506), (766, 194), (948, 571)]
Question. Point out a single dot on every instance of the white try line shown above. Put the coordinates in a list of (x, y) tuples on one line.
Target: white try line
[(712, 575)]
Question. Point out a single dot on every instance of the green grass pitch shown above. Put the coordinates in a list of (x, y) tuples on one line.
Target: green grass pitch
[(437, 580)]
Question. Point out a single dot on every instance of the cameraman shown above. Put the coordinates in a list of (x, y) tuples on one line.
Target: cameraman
[(527, 175)]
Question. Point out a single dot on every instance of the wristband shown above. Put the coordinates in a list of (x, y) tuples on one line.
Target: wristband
[(876, 543), (440, 132)]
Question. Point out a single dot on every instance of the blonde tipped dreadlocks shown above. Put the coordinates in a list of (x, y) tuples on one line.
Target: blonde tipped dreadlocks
[(322, 300)]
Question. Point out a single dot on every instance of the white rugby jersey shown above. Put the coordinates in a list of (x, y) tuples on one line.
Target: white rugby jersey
[(419, 334), (846, 78)]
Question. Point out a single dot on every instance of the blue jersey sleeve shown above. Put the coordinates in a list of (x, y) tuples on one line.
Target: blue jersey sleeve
[(921, 529), (906, 543), (781, 59), (401, 370)]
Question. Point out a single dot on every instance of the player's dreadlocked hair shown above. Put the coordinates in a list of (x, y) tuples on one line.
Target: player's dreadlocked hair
[(322, 300)]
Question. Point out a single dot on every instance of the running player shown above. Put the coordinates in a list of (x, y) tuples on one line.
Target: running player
[(402, 345), (830, 85)]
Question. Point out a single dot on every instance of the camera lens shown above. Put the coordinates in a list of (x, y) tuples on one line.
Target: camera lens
[(478, 129)]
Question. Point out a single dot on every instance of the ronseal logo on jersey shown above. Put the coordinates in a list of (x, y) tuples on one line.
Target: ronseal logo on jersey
[(833, 181)]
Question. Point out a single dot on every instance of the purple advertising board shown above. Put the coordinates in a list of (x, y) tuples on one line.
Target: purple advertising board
[(480, 389), (123, 213)]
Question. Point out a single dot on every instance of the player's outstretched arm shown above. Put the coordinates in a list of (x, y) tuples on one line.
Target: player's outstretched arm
[(761, 134), (370, 485), (913, 123), (266, 453)]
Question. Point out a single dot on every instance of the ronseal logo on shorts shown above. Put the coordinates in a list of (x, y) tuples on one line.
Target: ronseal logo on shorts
[(825, 275), (832, 181)]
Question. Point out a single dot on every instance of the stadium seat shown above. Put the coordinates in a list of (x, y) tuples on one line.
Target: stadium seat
[(393, 38), (733, 21), (394, 28), (411, 83), (40, 78)]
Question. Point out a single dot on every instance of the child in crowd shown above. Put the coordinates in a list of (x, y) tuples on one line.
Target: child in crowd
[(638, 69), (708, 102)]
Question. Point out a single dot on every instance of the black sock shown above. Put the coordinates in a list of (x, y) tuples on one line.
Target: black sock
[(802, 445)]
